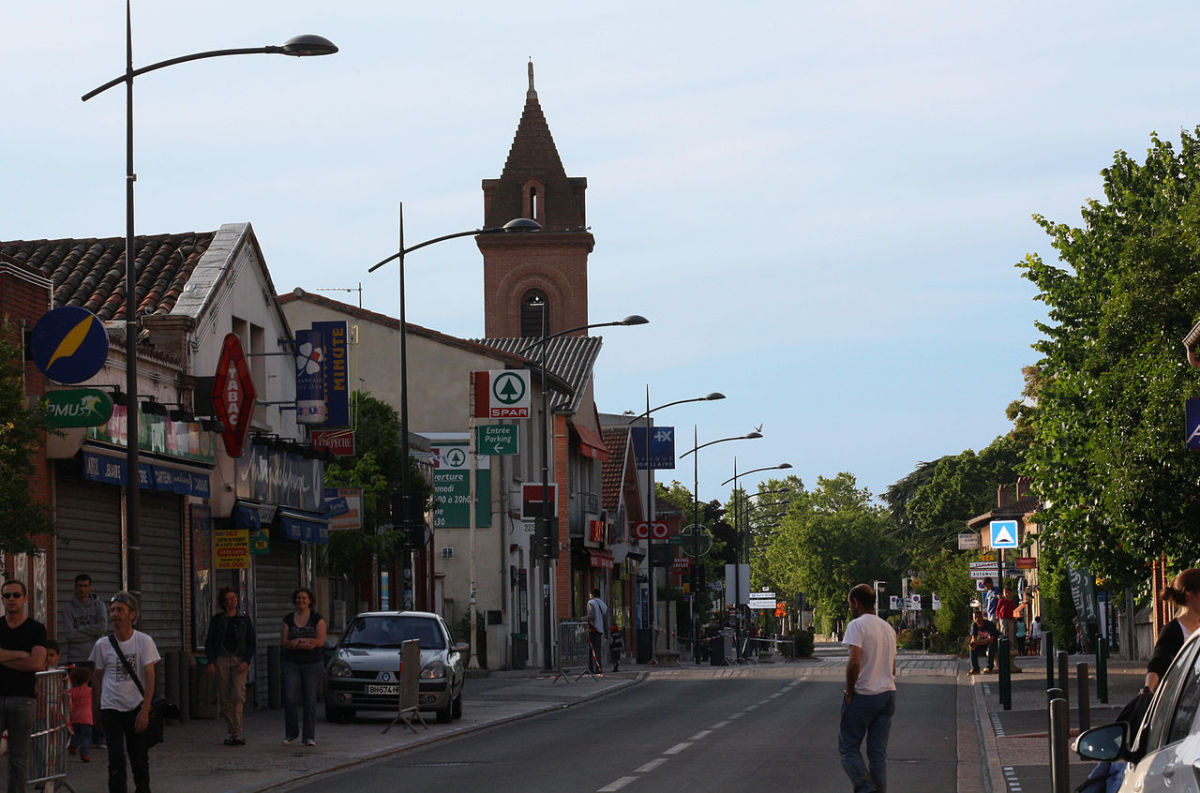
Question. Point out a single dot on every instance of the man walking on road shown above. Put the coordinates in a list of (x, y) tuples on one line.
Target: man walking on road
[(869, 699)]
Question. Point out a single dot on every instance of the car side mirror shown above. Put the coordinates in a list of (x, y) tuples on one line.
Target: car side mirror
[(461, 647), (1110, 742)]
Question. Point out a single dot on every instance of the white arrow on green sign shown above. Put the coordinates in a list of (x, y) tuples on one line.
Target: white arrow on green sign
[(496, 439)]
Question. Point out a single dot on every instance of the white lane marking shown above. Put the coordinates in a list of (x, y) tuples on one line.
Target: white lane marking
[(749, 708), (699, 735), (650, 766), (736, 716), (776, 695), (612, 787), (719, 725), (677, 748)]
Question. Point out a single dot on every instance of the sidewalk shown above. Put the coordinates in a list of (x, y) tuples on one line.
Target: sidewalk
[(1016, 743), (194, 759)]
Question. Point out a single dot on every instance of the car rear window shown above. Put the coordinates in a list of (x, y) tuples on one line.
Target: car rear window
[(384, 631)]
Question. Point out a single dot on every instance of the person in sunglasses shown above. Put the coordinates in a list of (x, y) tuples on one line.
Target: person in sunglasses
[(22, 656)]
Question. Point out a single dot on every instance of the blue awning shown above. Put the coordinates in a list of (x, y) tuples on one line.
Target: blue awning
[(304, 526)]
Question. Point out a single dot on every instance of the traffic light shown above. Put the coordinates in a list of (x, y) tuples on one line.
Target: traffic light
[(408, 521)]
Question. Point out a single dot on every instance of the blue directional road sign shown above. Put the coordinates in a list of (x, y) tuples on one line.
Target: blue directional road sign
[(1004, 533)]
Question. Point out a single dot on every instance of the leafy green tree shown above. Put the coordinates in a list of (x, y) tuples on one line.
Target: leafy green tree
[(1108, 460), (21, 432)]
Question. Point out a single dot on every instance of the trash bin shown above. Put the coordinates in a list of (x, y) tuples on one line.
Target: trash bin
[(645, 645)]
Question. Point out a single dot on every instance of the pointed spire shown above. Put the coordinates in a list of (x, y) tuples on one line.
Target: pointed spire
[(532, 91)]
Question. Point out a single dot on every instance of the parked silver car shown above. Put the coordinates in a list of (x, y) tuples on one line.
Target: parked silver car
[(1164, 753), (364, 671)]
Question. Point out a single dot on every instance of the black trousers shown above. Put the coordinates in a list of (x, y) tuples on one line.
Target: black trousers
[(595, 638), (121, 736)]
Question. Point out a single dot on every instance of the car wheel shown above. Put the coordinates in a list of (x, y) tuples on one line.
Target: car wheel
[(456, 706), (444, 715), (338, 715)]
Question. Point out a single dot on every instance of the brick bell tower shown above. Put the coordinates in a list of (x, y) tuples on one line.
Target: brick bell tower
[(524, 274)]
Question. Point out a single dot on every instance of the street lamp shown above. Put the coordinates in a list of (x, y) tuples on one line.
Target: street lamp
[(407, 517), (697, 446), (544, 523), (300, 46), (737, 541), (650, 499)]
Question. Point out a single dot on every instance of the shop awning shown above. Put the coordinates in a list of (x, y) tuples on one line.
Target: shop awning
[(601, 559), (303, 526), (590, 443), (153, 473)]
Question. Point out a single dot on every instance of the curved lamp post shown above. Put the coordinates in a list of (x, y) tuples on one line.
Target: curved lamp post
[(737, 567), (411, 514), (651, 617), (301, 46), (545, 523), (695, 577)]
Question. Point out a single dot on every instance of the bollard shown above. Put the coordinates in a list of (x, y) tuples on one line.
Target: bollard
[(1060, 763), (1048, 644), (184, 696), (1051, 695), (1064, 680), (274, 678), (169, 669), (1102, 670), (1081, 696), (1005, 673)]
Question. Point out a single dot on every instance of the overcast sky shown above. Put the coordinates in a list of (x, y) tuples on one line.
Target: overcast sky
[(819, 206)]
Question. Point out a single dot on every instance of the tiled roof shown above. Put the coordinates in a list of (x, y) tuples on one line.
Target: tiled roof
[(612, 473), (393, 323), (91, 272), (570, 357)]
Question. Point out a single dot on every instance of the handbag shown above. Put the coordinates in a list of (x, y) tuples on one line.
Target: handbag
[(160, 707)]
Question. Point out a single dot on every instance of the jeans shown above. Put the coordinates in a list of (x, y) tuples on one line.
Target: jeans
[(301, 682), (120, 734), (869, 716), (16, 716), (987, 651), (82, 739)]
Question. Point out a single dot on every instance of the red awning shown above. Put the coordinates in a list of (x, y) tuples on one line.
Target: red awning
[(602, 559), (590, 443)]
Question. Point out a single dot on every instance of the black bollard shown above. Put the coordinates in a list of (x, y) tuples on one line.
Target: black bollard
[(1005, 673), (1048, 645), (1060, 761), (274, 678), (1064, 678), (1051, 695), (1102, 670), (1081, 696)]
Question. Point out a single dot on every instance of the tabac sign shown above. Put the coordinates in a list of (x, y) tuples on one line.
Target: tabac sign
[(233, 395)]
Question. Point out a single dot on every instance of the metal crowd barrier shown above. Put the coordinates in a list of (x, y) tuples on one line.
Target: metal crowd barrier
[(51, 731), (573, 650)]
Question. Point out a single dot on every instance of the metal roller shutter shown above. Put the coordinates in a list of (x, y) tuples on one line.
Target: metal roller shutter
[(87, 535), (162, 569), (276, 576)]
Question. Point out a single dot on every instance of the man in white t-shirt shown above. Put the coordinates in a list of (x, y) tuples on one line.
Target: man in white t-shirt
[(125, 699), (869, 699)]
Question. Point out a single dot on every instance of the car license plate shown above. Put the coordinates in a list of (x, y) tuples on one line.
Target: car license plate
[(383, 690)]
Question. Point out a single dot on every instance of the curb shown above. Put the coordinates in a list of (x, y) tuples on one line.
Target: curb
[(994, 776), (443, 736)]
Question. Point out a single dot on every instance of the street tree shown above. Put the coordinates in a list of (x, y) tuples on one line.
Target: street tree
[(1108, 460), (22, 429)]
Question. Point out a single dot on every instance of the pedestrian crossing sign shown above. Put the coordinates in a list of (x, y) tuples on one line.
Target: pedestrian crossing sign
[(1004, 533)]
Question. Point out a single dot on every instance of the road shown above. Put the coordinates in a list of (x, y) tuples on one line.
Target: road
[(770, 727)]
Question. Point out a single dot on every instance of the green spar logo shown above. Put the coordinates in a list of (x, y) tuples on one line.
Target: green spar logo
[(508, 389)]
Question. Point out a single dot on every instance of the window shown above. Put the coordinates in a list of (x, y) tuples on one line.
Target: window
[(535, 310)]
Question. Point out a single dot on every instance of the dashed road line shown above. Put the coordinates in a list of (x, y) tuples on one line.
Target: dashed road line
[(719, 725), (677, 748), (701, 734), (650, 766), (612, 787)]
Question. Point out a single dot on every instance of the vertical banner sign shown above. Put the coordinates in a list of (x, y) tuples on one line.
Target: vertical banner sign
[(336, 372), (662, 446), (1083, 593), (310, 378)]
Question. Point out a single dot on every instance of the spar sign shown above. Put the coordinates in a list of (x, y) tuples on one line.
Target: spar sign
[(233, 395), (502, 394)]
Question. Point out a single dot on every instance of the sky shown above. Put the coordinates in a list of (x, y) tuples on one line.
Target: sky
[(819, 206)]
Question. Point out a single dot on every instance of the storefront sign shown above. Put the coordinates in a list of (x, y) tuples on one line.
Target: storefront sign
[(310, 378), (69, 344), (452, 489), (77, 407), (232, 549), (662, 446), (110, 469), (281, 477), (233, 395), (335, 372)]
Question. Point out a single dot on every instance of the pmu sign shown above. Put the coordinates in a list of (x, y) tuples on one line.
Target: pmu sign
[(233, 395), (502, 394)]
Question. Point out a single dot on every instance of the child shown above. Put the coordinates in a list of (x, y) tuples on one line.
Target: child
[(51, 654), (81, 713), (616, 647)]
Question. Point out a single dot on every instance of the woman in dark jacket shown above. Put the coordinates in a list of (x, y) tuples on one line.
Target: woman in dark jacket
[(1184, 592), (230, 647)]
